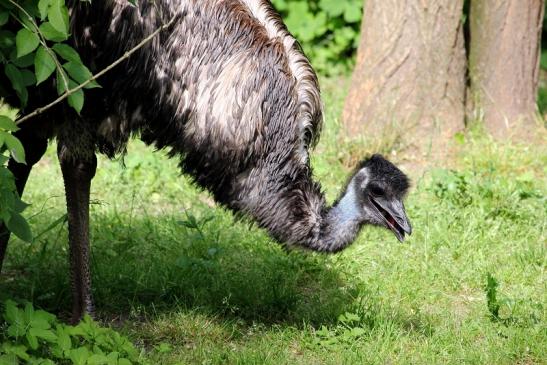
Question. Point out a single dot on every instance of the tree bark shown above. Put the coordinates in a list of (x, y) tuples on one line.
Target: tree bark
[(504, 65), (409, 80)]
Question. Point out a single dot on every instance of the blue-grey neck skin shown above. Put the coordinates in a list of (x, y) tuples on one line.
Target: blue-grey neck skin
[(341, 224)]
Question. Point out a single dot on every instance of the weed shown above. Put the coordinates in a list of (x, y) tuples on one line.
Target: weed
[(37, 337), (491, 290)]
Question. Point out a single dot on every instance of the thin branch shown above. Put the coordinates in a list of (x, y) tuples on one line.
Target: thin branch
[(125, 56), (42, 41)]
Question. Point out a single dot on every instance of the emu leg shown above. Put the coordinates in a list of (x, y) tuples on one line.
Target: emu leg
[(35, 147), (77, 175)]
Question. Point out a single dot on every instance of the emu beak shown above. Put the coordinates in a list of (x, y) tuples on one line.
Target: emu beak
[(394, 215)]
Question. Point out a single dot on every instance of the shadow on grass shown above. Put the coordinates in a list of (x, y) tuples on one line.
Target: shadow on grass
[(158, 263), (154, 265)]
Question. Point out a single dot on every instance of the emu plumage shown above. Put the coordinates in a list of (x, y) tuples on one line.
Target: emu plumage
[(228, 91)]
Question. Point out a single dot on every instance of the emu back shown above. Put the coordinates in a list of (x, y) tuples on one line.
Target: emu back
[(221, 88)]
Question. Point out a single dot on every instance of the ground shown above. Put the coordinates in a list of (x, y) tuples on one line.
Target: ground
[(189, 284)]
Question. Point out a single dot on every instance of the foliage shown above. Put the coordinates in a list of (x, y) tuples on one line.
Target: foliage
[(32, 50), (327, 29), (37, 337), (348, 330), (542, 96), (11, 205), (491, 289), (542, 90)]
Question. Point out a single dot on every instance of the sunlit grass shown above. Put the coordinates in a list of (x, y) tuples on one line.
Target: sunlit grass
[(191, 285)]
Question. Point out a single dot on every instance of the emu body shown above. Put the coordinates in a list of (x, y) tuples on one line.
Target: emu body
[(227, 90)]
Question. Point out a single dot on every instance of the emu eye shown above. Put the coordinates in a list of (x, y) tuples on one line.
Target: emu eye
[(376, 190)]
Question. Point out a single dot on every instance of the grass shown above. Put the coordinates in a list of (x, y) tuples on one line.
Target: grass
[(190, 285)]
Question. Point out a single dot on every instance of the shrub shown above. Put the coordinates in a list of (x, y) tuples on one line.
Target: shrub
[(36, 337), (327, 29)]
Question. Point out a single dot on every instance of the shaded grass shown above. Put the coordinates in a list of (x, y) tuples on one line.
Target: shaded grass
[(191, 285)]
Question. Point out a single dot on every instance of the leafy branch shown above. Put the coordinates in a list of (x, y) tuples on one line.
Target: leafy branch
[(42, 40), (125, 56)]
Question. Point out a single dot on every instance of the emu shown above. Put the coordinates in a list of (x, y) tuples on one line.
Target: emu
[(228, 91)]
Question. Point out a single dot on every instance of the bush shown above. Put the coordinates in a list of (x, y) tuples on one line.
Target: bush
[(327, 29), (36, 337)]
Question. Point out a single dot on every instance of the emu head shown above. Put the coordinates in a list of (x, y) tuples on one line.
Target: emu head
[(377, 189)]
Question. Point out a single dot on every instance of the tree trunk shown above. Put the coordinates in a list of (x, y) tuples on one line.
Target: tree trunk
[(504, 65), (409, 80)]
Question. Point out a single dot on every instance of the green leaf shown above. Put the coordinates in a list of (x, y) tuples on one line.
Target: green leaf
[(8, 124), (43, 6), (79, 356), (492, 302), (26, 42), (41, 320), (32, 341), (352, 12), (7, 39), (80, 73), (332, 7), (43, 316), (4, 16), (303, 23), (19, 227), (16, 330), (58, 16), (19, 205), (17, 82), (64, 340), (28, 312), (10, 359), (12, 314), (45, 334), (164, 347), (28, 77), (66, 52), (61, 87), (15, 147), (14, 75), (24, 61), (18, 350), (97, 359), (51, 34), (343, 37), (43, 65), (76, 99)]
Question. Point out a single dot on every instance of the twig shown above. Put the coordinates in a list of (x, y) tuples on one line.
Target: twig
[(125, 56)]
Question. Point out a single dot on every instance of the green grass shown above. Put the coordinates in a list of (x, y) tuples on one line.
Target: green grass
[(190, 285)]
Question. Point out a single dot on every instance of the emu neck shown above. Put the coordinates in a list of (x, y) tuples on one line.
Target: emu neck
[(340, 224), (297, 214)]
